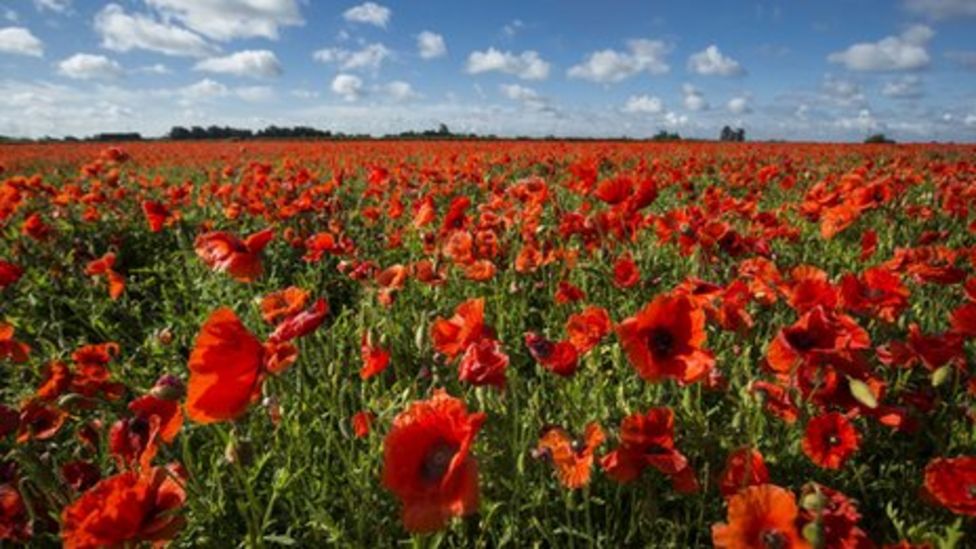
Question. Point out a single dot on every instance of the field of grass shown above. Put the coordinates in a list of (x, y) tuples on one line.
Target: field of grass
[(653, 315)]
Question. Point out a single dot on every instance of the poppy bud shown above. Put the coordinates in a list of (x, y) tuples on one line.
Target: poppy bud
[(813, 502), (813, 533), (168, 387), (165, 336)]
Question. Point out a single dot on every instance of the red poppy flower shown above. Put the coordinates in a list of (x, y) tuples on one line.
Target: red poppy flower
[(362, 423), (427, 462), (568, 293), (105, 266), (375, 359), (877, 292), (830, 439), (625, 272), (647, 440), (224, 252), (665, 339), (951, 482), (453, 336), (39, 421), (558, 357), (134, 440), (157, 215), (833, 516), (964, 320), (743, 467), (320, 244), (80, 475), (761, 516), (283, 304), (225, 369), (301, 324), (484, 363), (14, 519), (571, 458), (128, 507), (587, 328), (817, 333), (9, 273), (10, 348)]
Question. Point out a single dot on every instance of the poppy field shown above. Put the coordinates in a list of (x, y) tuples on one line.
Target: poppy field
[(487, 344)]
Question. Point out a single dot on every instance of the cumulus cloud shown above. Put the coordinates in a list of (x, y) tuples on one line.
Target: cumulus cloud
[(369, 57), (430, 45), (400, 91), (255, 94), (84, 66), (369, 13), (302, 93), (863, 122), (739, 105), (20, 41), (250, 63), (893, 53), (907, 87), (204, 89), (711, 62), (693, 98), (228, 19), (121, 31), (644, 104), (527, 65), (841, 92), (347, 86), (942, 9), (674, 120), (528, 97), (607, 66), (513, 28)]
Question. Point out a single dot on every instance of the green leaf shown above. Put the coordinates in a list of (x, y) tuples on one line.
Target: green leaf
[(862, 393)]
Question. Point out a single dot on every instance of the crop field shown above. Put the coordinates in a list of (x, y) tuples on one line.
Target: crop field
[(487, 344)]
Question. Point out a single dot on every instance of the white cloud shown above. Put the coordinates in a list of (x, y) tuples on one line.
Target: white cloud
[(10, 15), (893, 53), (85, 66), (228, 19), (430, 45), (606, 66), (251, 63), (517, 92), (644, 104), (527, 65), (863, 122), (843, 93), (711, 62), (59, 6), (204, 89), (694, 99), (20, 41), (124, 32), (348, 86), (511, 29), (370, 13), (907, 87), (675, 120), (739, 105), (255, 94), (156, 68), (942, 9), (401, 91), (369, 57), (970, 120)]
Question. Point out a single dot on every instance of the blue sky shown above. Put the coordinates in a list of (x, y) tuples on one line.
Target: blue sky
[(831, 70)]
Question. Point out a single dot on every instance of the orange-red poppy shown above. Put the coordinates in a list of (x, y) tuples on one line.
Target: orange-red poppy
[(15, 525), (427, 462), (105, 266), (225, 369), (362, 423), (16, 351), (375, 359), (743, 467), (453, 336), (129, 507), (571, 458), (647, 440), (760, 517), (665, 339), (224, 252), (587, 328), (283, 304), (484, 363), (559, 357)]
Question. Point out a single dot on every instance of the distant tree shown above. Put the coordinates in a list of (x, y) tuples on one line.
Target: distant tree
[(665, 136), (728, 134), (878, 138), (442, 129)]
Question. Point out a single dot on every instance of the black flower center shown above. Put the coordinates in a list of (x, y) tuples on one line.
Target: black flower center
[(660, 341), (437, 461), (773, 539), (801, 341)]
